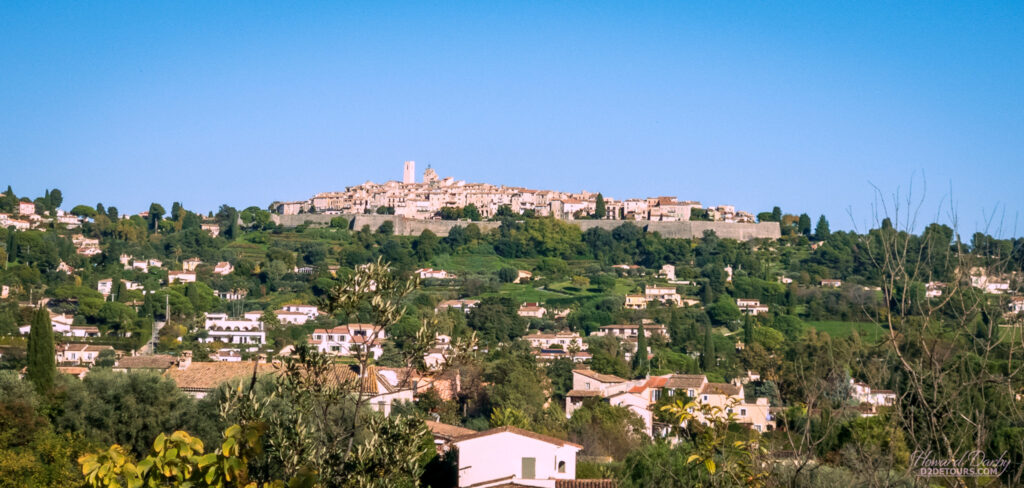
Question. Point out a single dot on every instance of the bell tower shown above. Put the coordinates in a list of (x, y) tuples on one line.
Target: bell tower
[(409, 175)]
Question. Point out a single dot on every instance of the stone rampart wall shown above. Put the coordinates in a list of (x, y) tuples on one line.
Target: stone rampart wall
[(414, 227)]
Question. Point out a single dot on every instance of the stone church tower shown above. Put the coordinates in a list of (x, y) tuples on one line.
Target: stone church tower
[(409, 176)]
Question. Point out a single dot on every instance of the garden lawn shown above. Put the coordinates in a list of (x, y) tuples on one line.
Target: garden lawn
[(835, 328)]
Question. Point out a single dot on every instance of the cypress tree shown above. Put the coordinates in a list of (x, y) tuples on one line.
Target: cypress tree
[(122, 292), (708, 357), (821, 231), (9, 201), (640, 366), (804, 224), (12, 247), (791, 298), (42, 366), (748, 331), (599, 207), (706, 296)]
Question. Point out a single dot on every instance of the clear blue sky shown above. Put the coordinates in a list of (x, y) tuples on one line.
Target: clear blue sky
[(801, 105)]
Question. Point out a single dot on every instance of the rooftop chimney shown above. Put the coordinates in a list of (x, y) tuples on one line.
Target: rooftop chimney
[(184, 359)]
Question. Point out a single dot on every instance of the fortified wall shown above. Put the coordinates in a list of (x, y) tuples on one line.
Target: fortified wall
[(692, 229), (403, 226), (414, 227)]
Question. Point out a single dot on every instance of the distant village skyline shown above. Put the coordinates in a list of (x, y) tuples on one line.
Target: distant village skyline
[(996, 218), (425, 198)]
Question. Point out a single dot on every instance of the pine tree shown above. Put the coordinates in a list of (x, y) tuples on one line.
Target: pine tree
[(640, 361), (599, 208), (42, 365), (708, 357), (156, 212), (56, 199)]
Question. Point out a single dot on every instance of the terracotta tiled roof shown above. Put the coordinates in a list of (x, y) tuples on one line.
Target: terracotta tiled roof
[(446, 431), (656, 382), (518, 431), (583, 393), (341, 329), (683, 381), (83, 348), (155, 361), (586, 484), (345, 375), (603, 378), (202, 376), (721, 389), (72, 370)]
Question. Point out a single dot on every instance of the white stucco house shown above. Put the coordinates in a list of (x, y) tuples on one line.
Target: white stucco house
[(181, 277), (219, 327), (294, 318), (863, 393), (223, 268), (345, 340), (430, 273), (297, 314), (508, 454)]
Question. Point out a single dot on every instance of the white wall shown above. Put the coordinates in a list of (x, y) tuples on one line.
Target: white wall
[(500, 455)]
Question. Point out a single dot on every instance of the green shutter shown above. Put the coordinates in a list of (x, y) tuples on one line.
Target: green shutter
[(529, 468)]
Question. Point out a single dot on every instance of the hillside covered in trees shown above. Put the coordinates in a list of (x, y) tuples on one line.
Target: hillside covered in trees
[(932, 317)]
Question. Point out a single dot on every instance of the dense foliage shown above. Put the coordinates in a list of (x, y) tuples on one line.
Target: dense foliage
[(953, 359)]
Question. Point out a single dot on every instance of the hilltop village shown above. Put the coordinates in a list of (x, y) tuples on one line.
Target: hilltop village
[(586, 356), (440, 198)]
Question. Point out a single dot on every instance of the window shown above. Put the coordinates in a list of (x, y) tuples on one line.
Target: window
[(655, 395), (705, 398), (690, 393), (561, 466), (743, 412), (586, 385)]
